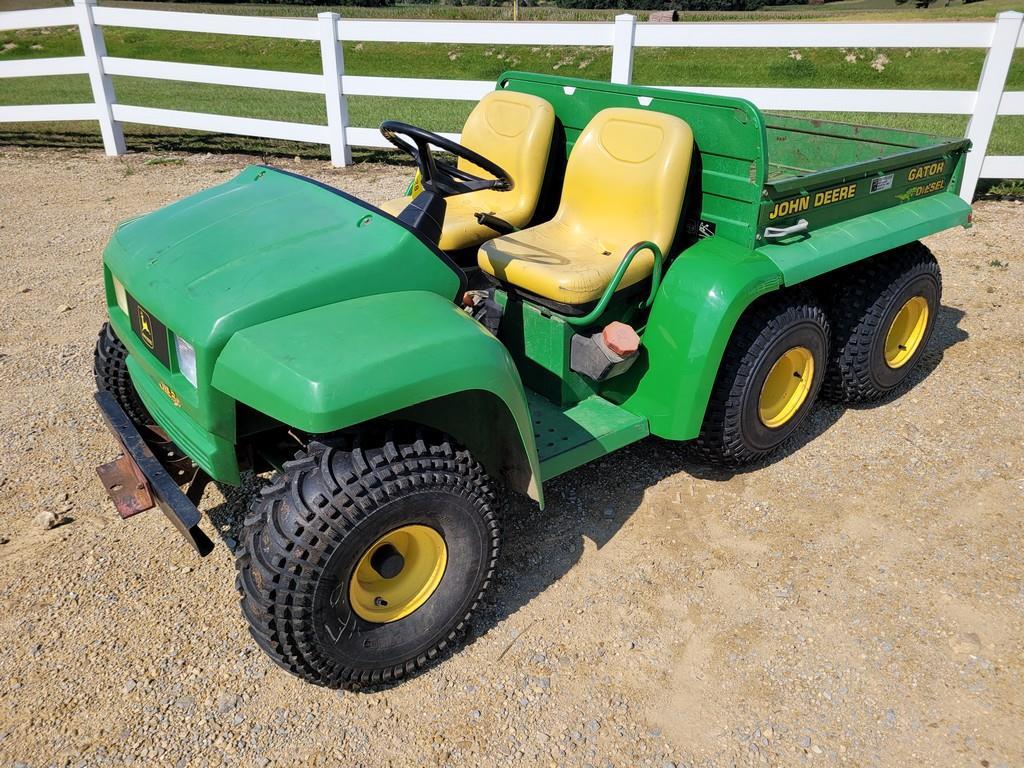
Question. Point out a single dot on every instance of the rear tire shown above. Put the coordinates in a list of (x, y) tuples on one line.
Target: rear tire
[(312, 534), (884, 312), (768, 380)]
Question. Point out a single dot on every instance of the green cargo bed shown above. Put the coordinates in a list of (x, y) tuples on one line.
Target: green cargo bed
[(823, 172), (756, 173)]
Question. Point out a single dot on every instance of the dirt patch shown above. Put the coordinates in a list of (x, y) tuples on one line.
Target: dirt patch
[(859, 599)]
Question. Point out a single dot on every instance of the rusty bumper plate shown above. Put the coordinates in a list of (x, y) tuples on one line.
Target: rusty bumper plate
[(137, 481), (126, 486)]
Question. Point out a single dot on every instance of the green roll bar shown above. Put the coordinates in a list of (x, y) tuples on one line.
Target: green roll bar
[(613, 285)]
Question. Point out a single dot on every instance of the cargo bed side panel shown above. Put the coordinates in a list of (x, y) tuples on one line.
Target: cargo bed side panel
[(833, 196), (801, 146), (845, 242)]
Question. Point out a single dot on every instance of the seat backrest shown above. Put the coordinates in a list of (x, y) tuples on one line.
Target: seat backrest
[(514, 130), (625, 178)]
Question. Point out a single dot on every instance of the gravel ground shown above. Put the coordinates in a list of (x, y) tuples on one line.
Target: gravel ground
[(859, 600)]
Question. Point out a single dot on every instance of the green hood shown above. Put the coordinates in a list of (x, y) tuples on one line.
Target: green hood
[(265, 245)]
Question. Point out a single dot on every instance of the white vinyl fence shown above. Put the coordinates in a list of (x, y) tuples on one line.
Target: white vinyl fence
[(1000, 38)]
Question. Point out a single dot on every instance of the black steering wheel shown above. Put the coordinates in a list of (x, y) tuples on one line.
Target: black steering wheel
[(438, 175)]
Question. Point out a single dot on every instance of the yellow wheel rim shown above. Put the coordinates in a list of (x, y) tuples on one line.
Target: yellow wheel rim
[(786, 388), (906, 332), (398, 573)]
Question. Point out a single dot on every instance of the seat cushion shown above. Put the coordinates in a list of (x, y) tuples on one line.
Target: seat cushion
[(624, 184), (461, 229), (513, 130), (553, 262)]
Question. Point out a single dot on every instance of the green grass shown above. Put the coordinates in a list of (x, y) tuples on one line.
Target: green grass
[(861, 10), (1004, 188), (956, 69)]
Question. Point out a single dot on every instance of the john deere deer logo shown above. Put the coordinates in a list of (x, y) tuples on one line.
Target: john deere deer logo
[(146, 327)]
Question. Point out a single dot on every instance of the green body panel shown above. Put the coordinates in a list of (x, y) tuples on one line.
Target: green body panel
[(571, 436), (846, 242), (342, 364), (539, 343), (264, 245), (833, 172), (702, 296), (218, 421), (204, 427), (215, 455)]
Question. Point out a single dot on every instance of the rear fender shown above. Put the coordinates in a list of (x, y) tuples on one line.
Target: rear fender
[(709, 286), (704, 293), (409, 355)]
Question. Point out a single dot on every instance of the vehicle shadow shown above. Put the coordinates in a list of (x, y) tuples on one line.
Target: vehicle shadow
[(595, 501)]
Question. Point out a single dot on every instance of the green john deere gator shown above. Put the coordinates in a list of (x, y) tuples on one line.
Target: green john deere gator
[(598, 264)]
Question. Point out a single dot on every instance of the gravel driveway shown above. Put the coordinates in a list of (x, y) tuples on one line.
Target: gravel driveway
[(859, 600)]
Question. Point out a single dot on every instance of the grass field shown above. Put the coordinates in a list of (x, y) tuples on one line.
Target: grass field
[(809, 68), (843, 10)]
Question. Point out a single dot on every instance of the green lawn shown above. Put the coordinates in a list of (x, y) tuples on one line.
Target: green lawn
[(844, 10), (810, 68)]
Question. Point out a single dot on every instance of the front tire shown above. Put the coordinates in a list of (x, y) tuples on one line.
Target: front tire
[(111, 372), (110, 368), (768, 380), (365, 560), (884, 311)]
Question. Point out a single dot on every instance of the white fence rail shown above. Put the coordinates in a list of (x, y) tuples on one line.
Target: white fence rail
[(1000, 39)]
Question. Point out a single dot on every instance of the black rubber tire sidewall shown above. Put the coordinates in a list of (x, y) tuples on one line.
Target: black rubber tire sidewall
[(864, 299), (353, 642), (883, 377), (110, 370), (732, 434), (755, 434)]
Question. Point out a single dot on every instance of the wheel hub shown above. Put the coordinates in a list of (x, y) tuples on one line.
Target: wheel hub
[(786, 387), (906, 332), (398, 573), (387, 561)]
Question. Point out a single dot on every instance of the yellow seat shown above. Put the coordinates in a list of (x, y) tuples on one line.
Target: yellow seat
[(514, 130), (624, 183)]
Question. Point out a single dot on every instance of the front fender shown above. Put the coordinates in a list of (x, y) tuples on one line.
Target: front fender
[(702, 296), (394, 354)]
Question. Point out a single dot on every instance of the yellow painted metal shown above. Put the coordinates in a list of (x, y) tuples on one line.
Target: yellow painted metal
[(906, 332), (624, 184), (514, 130), (381, 600), (786, 388)]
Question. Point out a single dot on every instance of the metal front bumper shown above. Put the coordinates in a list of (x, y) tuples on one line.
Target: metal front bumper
[(137, 480)]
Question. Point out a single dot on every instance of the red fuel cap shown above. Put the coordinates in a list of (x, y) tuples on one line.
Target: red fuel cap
[(620, 339)]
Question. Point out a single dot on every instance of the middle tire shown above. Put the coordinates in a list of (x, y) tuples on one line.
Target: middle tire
[(769, 378), (365, 560)]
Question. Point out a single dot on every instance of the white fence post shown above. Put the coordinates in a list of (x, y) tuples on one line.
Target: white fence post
[(337, 104), (622, 48), (102, 86), (990, 93)]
